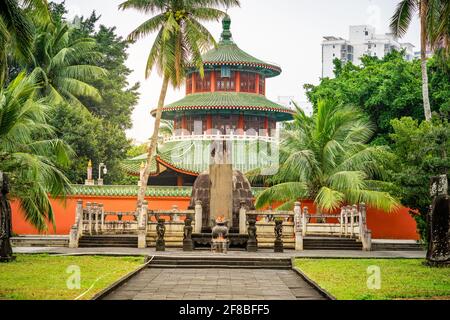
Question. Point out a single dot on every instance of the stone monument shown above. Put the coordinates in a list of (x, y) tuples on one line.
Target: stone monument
[(439, 223), (6, 253)]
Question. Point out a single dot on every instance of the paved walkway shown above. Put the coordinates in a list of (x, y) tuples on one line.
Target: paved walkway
[(260, 253), (215, 284)]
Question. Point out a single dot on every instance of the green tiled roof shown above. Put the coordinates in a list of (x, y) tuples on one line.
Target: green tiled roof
[(133, 166), (129, 191), (228, 53), (228, 101)]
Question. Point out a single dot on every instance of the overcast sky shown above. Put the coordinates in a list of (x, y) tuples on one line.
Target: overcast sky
[(287, 32)]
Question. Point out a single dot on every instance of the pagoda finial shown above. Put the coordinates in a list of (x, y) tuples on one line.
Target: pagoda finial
[(226, 33)]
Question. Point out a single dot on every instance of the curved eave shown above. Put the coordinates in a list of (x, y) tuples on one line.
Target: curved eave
[(174, 168), (278, 114)]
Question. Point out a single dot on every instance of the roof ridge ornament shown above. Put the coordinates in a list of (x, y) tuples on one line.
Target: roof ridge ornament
[(226, 36)]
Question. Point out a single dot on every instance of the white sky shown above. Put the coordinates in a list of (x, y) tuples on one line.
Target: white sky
[(287, 32)]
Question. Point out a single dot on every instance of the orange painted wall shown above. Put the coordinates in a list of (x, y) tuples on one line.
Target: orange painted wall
[(398, 225), (65, 212)]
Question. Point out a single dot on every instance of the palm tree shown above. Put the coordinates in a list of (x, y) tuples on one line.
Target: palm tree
[(325, 157), (65, 66), (29, 154), (434, 31), (16, 28), (181, 38)]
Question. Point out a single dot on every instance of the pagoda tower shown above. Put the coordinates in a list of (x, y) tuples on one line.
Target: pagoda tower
[(224, 117)]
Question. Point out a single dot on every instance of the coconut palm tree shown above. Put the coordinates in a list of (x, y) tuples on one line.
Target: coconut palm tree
[(434, 31), (65, 66), (29, 153), (16, 28), (180, 40), (325, 157)]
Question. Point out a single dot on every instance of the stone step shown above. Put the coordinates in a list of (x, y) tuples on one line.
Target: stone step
[(111, 241), (205, 266), (219, 262), (397, 247)]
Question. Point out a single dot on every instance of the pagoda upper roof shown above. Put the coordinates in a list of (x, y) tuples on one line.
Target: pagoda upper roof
[(228, 53), (249, 103)]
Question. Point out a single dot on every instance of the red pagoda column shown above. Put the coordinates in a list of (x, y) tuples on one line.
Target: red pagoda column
[(194, 80), (180, 181), (213, 81), (209, 124), (238, 82), (241, 124), (183, 125), (257, 83)]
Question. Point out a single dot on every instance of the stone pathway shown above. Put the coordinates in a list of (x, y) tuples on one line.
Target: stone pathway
[(215, 284), (261, 253)]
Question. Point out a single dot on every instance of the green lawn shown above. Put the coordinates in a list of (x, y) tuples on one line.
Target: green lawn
[(347, 279), (44, 277)]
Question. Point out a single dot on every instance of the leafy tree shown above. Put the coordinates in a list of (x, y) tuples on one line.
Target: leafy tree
[(416, 162), (384, 89), (17, 29), (180, 40), (434, 31), (65, 66), (326, 158), (91, 138), (29, 151), (119, 98)]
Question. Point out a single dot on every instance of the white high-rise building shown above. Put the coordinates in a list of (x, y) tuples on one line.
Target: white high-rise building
[(362, 41)]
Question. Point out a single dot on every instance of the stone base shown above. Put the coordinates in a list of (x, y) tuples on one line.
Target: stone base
[(252, 246), (237, 241), (7, 259), (438, 264), (278, 246), (160, 246), (188, 245)]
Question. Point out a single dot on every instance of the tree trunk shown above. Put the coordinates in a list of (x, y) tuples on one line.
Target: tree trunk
[(153, 142), (423, 56)]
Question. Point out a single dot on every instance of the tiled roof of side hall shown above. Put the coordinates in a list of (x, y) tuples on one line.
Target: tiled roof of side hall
[(241, 102), (131, 191)]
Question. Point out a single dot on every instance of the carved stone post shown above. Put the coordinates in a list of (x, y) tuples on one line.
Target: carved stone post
[(161, 232), (188, 244), (252, 244), (102, 218), (346, 212), (353, 214), (89, 208), (97, 217), (438, 253), (6, 253), (305, 216), (77, 229), (366, 237), (243, 218), (278, 244), (342, 222), (198, 217), (142, 225), (298, 226)]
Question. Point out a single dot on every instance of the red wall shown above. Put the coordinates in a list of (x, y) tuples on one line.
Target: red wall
[(65, 212), (399, 225)]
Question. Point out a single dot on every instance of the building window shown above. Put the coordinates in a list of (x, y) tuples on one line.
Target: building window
[(262, 84), (248, 82), (203, 85), (366, 33), (225, 83), (254, 125), (195, 125), (189, 84)]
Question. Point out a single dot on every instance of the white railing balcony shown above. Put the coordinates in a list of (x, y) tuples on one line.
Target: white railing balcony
[(221, 137)]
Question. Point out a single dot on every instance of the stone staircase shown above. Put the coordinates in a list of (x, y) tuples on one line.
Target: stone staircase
[(397, 246), (216, 262), (109, 241), (331, 243)]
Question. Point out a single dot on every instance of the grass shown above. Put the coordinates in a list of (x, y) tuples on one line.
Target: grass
[(45, 277), (347, 279)]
